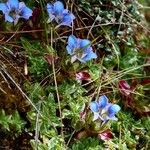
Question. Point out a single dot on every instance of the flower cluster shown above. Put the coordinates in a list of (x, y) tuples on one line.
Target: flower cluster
[(13, 10), (103, 110), (79, 49), (57, 12)]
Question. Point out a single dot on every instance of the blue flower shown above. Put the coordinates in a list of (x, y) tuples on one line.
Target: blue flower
[(102, 101), (94, 106), (80, 49), (13, 10), (95, 109), (57, 12), (109, 112), (112, 110), (103, 110), (3, 7)]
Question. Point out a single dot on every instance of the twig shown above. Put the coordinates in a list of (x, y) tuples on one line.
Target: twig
[(11, 36), (92, 26), (37, 129), (70, 138), (56, 88), (12, 32)]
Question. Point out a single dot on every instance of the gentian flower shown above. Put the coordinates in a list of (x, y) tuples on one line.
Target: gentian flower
[(57, 12), (80, 49), (13, 10), (112, 110), (103, 110), (102, 101)]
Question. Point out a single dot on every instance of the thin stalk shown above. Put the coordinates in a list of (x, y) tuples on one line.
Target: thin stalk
[(56, 88), (43, 16), (37, 129)]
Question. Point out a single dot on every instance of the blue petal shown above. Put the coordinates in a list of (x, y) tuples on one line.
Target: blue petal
[(66, 13), (89, 56), (72, 41), (8, 18), (50, 8), (113, 109), (58, 8), (94, 106), (103, 101), (13, 4), (69, 50), (3, 7), (92, 55), (67, 19), (26, 13), (84, 43)]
